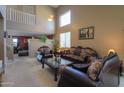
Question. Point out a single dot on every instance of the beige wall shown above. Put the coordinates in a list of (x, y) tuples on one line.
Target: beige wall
[(42, 24), (42, 14), (108, 22), (34, 44)]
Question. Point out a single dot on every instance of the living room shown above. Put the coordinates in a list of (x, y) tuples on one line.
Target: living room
[(105, 26), (102, 29)]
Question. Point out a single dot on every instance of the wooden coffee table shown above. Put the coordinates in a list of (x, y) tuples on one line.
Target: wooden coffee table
[(54, 65)]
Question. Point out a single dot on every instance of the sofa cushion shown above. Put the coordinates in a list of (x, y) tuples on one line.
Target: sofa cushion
[(77, 58), (82, 53), (91, 52), (94, 69), (77, 52), (72, 50)]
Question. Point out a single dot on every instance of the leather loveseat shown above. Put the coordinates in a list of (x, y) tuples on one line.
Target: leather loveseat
[(108, 75)]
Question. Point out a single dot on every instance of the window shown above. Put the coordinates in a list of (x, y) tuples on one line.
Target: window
[(65, 40), (65, 19), (15, 41)]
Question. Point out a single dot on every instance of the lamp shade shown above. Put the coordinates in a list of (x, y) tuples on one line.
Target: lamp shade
[(111, 51)]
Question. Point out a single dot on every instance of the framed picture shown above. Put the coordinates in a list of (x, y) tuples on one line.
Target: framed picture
[(86, 33)]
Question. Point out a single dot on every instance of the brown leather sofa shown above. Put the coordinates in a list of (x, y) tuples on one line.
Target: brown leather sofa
[(108, 76)]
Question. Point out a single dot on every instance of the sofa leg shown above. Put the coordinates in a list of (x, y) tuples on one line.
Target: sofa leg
[(56, 73), (42, 64)]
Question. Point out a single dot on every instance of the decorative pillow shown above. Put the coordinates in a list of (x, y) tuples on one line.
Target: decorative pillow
[(94, 69), (46, 50), (39, 57), (91, 59)]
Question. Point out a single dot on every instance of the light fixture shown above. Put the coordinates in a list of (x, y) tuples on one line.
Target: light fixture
[(111, 51), (50, 18)]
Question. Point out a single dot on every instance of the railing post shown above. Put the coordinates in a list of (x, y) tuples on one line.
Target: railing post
[(21, 17), (10, 13)]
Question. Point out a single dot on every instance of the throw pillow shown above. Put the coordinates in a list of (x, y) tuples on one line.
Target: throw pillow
[(39, 57), (46, 50), (94, 69), (91, 59)]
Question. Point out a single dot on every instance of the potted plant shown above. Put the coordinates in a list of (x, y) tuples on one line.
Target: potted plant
[(43, 38), (55, 45)]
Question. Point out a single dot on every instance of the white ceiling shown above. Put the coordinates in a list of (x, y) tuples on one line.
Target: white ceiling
[(54, 6)]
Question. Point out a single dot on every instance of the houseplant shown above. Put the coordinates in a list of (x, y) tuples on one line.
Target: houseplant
[(55, 45), (43, 38)]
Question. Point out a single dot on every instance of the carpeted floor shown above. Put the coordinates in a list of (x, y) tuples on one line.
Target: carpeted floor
[(27, 72), (122, 81)]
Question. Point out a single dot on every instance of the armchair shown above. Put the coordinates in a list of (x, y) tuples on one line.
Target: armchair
[(44, 52)]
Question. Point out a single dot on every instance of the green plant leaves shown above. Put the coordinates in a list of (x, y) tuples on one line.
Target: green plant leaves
[(43, 38)]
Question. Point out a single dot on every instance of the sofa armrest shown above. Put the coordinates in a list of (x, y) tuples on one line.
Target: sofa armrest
[(74, 78)]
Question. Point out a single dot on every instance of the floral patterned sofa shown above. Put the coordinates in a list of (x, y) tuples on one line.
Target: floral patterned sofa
[(80, 54)]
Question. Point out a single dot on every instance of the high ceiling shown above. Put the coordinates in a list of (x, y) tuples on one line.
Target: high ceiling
[(54, 6)]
